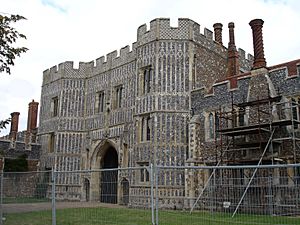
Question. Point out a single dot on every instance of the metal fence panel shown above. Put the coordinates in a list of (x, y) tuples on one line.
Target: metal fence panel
[(154, 195), (229, 196), (26, 195), (106, 196)]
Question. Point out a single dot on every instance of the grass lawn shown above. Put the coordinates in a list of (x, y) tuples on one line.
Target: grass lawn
[(123, 216)]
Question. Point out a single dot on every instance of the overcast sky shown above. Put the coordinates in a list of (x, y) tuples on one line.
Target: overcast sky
[(83, 30)]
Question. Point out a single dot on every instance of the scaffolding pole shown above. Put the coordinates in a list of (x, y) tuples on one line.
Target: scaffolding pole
[(253, 175)]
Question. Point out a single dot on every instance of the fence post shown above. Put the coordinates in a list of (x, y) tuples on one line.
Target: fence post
[(156, 193), (1, 198), (152, 194), (53, 197)]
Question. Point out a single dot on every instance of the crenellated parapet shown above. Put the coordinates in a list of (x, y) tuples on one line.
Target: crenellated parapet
[(67, 70), (88, 69), (113, 59), (160, 29)]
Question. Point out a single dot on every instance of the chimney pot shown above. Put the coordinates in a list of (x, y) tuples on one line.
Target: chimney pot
[(233, 56), (14, 125), (32, 121), (218, 32), (258, 45)]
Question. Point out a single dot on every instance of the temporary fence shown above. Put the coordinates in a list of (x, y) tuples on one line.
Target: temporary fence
[(265, 194)]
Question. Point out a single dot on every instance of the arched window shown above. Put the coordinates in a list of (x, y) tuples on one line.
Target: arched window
[(217, 124), (294, 112), (211, 125), (148, 128)]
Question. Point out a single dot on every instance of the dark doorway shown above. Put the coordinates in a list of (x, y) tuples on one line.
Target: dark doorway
[(87, 189), (125, 191), (109, 179)]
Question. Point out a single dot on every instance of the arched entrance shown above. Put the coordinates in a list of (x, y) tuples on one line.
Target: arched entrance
[(109, 178)]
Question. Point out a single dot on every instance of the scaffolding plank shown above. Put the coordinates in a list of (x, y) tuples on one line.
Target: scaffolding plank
[(260, 101)]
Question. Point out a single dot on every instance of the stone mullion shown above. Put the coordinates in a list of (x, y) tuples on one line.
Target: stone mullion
[(180, 73), (167, 69), (68, 102), (184, 68), (176, 75), (170, 55), (77, 104), (173, 74)]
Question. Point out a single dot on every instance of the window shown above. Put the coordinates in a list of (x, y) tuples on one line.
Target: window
[(296, 111), (145, 82), (118, 96), (54, 107), (241, 116), (99, 106), (211, 126), (51, 142), (217, 125), (144, 173), (145, 128)]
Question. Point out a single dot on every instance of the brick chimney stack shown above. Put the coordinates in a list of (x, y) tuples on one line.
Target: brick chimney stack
[(233, 56), (218, 32), (32, 121), (258, 45), (14, 126)]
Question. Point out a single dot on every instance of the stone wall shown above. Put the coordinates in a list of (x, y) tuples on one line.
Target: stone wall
[(22, 185), (180, 59)]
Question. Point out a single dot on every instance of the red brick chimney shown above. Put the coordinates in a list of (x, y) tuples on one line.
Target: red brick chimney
[(218, 32), (32, 121), (14, 126), (233, 55), (258, 45)]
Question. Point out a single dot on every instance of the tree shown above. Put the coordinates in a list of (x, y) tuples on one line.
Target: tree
[(8, 37), (3, 123)]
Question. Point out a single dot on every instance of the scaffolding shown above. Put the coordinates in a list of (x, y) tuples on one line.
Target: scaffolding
[(263, 131), (249, 126)]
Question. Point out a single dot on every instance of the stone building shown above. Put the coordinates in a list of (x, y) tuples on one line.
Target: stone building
[(249, 118), (148, 104)]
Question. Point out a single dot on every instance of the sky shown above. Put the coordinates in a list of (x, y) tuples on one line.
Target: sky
[(77, 30)]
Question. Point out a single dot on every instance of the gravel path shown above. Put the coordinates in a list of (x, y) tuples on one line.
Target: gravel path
[(29, 207)]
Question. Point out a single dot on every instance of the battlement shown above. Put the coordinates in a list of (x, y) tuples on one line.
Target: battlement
[(87, 69), (66, 70), (160, 28)]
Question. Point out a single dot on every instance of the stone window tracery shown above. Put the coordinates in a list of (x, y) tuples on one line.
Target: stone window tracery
[(144, 175), (145, 128), (146, 75), (99, 105), (118, 96)]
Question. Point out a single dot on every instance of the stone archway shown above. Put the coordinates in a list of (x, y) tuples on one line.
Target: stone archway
[(104, 181), (109, 178)]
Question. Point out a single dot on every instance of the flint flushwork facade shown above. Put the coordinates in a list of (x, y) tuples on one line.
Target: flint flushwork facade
[(145, 105)]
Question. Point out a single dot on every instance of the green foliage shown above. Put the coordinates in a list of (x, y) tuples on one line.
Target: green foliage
[(19, 164), (3, 123), (8, 36)]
